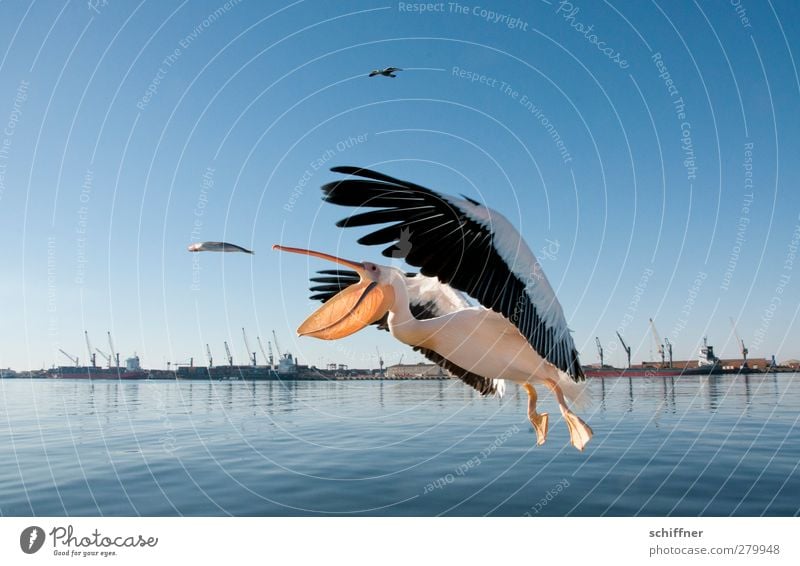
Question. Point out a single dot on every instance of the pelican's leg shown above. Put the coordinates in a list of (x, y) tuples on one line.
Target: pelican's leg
[(579, 432), (539, 421)]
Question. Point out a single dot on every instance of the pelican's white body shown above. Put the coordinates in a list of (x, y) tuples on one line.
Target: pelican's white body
[(478, 340)]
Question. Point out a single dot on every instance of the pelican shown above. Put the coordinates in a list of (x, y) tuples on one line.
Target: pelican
[(387, 72), (517, 332), (216, 247)]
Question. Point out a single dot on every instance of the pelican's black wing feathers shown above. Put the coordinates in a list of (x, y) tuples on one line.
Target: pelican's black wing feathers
[(465, 245)]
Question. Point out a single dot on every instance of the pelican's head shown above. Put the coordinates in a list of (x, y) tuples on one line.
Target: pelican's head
[(353, 308), (197, 247)]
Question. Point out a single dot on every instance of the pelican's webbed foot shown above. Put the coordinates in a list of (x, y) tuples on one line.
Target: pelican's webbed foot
[(538, 420), (579, 432)]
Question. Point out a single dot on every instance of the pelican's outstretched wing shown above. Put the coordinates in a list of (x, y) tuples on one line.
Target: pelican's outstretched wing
[(466, 245), (428, 298)]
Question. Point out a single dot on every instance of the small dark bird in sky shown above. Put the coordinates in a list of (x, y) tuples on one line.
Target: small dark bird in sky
[(387, 72), (216, 247)]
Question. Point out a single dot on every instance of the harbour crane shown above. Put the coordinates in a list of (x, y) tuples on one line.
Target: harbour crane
[(668, 344), (626, 348), (106, 357), (742, 348), (251, 355), (277, 346), (599, 350), (114, 355), (92, 356), (380, 361), (267, 358), (657, 338), (228, 353), (284, 358), (210, 357), (74, 360)]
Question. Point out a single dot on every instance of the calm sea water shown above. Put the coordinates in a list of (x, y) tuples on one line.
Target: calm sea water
[(662, 446)]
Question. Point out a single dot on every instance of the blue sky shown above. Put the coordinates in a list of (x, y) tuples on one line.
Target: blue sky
[(133, 129)]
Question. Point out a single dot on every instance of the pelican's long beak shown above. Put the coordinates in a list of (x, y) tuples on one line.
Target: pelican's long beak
[(351, 309)]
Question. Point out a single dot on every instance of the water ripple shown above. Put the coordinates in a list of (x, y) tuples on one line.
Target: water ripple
[(689, 446)]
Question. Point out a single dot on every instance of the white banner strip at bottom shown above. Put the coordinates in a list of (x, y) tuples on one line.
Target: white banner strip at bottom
[(400, 541)]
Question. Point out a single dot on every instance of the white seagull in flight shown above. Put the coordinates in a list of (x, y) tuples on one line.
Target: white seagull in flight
[(217, 247), (387, 72)]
